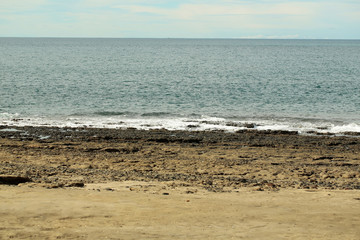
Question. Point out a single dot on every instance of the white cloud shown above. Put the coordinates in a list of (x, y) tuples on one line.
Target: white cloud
[(191, 11), (349, 11), (272, 37), (8, 6), (213, 19), (186, 18), (112, 3), (354, 15)]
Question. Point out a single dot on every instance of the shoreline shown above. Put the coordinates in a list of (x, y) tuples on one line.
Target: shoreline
[(214, 160), (154, 121)]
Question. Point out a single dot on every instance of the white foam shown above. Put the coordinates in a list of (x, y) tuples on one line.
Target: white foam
[(203, 123), (352, 127), (9, 130)]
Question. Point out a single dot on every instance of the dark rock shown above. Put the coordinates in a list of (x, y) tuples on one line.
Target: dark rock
[(111, 150), (323, 158), (352, 133), (249, 125), (75, 184), (191, 141), (13, 180), (160, 140), (234, 124), (192, 126)]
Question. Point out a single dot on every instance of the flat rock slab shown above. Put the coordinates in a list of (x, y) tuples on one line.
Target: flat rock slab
[(13, 180)]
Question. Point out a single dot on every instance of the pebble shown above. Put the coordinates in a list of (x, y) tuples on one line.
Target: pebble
[(348, 175)]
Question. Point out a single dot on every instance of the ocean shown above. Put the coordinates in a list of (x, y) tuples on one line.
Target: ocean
[(181, 84)]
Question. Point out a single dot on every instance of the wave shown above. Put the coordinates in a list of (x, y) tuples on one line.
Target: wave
[(164, 120), (157, 114), (113, 113)]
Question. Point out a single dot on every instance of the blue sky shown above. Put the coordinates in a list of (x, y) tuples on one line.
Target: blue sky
[(319, 19)]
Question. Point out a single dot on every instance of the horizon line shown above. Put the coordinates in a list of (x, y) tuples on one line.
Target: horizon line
[(189, 38)]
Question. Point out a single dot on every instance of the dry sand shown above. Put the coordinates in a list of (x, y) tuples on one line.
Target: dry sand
[(100, 213), (178, 185)]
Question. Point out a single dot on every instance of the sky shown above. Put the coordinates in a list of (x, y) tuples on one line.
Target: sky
[(319, 19)]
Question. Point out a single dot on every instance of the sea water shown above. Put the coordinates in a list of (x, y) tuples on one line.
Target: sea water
[(185, 84)]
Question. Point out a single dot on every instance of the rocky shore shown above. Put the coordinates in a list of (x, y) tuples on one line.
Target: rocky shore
[(213, 160)]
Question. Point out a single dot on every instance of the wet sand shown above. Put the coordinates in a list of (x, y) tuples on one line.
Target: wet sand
[(130, 184)]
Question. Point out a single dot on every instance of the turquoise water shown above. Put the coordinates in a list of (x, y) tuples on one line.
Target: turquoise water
[(302, 85)]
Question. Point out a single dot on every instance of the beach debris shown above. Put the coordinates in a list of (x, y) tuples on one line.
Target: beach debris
[(13, 180)]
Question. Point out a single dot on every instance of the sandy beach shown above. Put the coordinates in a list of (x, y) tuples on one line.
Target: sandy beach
[(131, 184)]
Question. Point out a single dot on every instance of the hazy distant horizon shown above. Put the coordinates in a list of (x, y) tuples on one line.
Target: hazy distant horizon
[(189, 38), (258, 19)]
